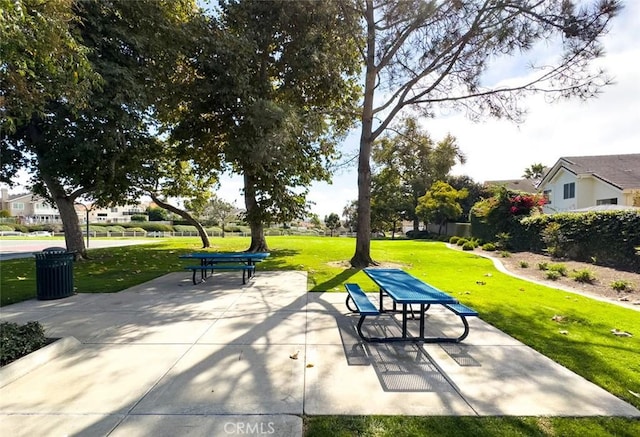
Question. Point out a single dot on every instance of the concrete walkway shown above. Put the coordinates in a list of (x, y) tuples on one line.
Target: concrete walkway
[(167, 358)]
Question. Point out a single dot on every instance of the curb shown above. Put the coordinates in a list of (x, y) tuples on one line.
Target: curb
[(28, 363)]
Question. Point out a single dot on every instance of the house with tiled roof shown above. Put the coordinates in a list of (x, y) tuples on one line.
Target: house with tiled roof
[(524, 185), (580, 182)]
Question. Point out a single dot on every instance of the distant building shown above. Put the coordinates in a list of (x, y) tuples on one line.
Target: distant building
[(579, 182), (524, 185), (29, 208)]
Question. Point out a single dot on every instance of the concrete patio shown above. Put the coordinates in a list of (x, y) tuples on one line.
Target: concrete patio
[(168, 358)]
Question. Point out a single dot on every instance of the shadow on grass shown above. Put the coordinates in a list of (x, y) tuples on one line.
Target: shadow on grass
[(336, 280)]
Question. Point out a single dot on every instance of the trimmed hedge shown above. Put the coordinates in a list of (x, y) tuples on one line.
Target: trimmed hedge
[(603, 237)]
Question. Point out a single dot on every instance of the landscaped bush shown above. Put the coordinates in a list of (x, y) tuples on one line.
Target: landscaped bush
[(621, 285), (552, 274), (418, 235), (17, 341), (524, 264), (610, 237), (543, 266), (489, 247), (454, 239), (560, 268), (461, 241), (150, 226), (585, 276), (185, 228), (21, 228), (6, 228), (469, 245)]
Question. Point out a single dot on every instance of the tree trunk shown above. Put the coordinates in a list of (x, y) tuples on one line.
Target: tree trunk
[(185, 215), (362, 256), (70, 222), (258, 242)]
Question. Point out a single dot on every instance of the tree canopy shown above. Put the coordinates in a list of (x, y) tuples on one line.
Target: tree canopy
[(273, 90), (97, 151), (440, 204), (423, 55), (409, 156)]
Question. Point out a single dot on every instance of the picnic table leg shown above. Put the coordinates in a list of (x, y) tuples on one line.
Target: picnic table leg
[(404, 320), (381, 304), (353, 310), (422, 315)]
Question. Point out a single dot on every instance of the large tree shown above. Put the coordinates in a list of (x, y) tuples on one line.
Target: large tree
[(97, 151), (424, 54), (440, 204), (40, 61), (409, 152), (273, 90), (390, 203)]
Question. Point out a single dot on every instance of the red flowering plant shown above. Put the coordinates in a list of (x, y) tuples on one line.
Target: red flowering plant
[(524, 204)]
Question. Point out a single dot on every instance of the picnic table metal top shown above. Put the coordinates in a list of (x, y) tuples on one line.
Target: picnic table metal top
[(240, 256), (404, 288)]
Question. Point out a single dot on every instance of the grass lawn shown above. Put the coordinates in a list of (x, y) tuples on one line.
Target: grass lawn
[(581, 340)]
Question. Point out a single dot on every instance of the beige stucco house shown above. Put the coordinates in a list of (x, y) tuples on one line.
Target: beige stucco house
[(29, 208), (580, 182)]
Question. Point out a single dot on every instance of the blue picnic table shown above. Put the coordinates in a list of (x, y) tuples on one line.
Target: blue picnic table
[(405, 290), (211, 261)]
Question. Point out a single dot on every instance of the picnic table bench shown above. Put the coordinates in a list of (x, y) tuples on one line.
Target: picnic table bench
[(212, 261), (405, 290)]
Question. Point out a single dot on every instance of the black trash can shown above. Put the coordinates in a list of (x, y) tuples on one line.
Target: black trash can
[(54, 273)]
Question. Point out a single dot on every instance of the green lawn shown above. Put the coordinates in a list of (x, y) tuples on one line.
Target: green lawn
[(519, 308)]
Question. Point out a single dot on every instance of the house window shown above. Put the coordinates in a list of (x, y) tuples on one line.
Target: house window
[(17, 206), (570, 190), (612, 201), (547, 196), (114, 210)]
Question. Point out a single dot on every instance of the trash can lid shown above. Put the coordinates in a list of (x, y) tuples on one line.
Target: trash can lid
[(55, 249)]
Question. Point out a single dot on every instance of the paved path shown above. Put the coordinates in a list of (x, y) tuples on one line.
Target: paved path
[(167, 358)]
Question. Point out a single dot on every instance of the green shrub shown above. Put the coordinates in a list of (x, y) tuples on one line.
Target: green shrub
[(21, 228), (543, 266), (610, 237), (489, 247), (17, 341), (468, 246), (185, 228), (552, 274), (6, 228), (140, 230), (555, 240), (585, 276), (461, 241), (139, 218), (621, 285), (505, 254), (524, 264), (503, 240), (560, 268), (454, 239)]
